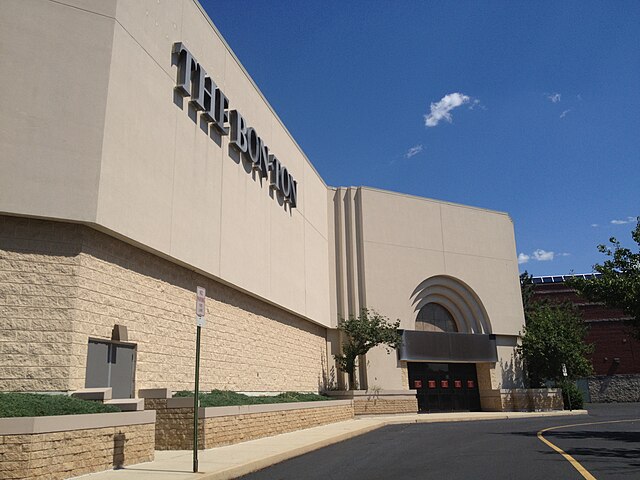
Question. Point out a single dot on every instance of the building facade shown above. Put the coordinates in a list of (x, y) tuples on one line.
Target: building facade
[(140, 161), (616, 354)]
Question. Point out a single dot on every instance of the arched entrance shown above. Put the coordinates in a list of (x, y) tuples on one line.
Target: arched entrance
[(452, 333)]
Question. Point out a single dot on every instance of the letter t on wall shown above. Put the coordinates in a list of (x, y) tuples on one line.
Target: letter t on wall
[(186, 64)]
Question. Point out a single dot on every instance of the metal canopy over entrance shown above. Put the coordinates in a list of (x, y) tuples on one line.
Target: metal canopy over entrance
[(447, 347), (445, 387)]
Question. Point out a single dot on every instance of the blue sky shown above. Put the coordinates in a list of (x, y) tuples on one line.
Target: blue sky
[(532, 108)]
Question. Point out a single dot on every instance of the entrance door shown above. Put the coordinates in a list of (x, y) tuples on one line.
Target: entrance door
[(445, 387), (112, 365)]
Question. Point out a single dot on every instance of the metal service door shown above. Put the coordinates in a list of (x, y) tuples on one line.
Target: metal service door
[(112, 365)]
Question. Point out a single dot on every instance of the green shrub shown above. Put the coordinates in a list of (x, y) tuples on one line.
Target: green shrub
[(224, 398), (37, 405), (570, 389)]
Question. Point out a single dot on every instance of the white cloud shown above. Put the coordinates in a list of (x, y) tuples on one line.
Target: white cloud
[(542, 255), (554, 97), (413, 151), (595, 225), (564, 113), (624, 222), (440, 110), (476, 103)]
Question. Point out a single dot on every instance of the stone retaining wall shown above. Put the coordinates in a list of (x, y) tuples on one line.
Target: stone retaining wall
[(614, 388), (521, 400), (228, 425), (382, 402), (66, 446)]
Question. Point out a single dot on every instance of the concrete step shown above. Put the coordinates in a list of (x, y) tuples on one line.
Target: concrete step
[(99, 394), (127, 404)]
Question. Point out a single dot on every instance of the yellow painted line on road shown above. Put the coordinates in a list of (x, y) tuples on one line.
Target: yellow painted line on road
[(574, 463)]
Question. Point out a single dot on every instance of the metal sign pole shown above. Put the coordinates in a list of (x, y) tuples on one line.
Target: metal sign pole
[(195, 403), (201, 295), (565, 374)]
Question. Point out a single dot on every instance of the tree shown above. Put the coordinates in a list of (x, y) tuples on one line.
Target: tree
[(554, 334), (527, 289), (618, 285), (362, 333)]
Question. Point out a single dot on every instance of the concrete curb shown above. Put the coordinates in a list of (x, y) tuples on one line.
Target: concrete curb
[(479, 417), (255, 465), (259, 464)]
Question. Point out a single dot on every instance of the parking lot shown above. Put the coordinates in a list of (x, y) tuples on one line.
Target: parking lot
[(603, 445)]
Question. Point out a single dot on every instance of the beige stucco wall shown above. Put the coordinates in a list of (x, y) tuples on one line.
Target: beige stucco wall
[(55, 63), (406, 240), (62, 283), (92, 131), (388, 243)]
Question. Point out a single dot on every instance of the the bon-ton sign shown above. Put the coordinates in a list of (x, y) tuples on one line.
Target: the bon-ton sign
[(207, 98)]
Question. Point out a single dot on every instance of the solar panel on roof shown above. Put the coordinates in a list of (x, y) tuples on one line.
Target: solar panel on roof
[(563, 278)]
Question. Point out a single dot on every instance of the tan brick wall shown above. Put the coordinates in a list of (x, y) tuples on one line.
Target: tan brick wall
[(240, 428), (68, 454), (38, 283), (61, 284), (380, 406), (404, 372), (521, 400), (174, 426)]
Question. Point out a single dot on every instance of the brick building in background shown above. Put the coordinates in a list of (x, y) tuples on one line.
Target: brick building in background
[(616, 356)]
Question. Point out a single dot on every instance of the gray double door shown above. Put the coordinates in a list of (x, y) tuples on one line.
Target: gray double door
[(111, 364)]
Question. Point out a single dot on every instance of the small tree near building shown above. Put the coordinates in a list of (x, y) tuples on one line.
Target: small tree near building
[(361, 333), (618, 286), (554, 335)]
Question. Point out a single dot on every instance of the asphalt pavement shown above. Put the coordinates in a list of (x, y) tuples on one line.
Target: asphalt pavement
[(604, 445), (232, 461)]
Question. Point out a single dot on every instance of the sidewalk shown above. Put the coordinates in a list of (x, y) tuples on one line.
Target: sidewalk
[(232, 461)]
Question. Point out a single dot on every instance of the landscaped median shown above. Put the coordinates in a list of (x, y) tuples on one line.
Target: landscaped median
[(63, 446), (233, 424)]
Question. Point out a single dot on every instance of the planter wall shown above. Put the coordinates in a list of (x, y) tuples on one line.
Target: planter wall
[(228, 425), (70, 445), (521, 400), (382, 402)]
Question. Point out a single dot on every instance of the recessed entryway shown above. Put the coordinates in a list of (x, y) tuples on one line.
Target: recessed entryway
[(445, 387)]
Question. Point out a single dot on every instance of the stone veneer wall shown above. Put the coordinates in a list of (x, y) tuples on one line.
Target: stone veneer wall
[(219, 426), (614, 388), (69, 453), (521, 400), (382, 402), (38, 283), (381, 406), (62, 283)]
